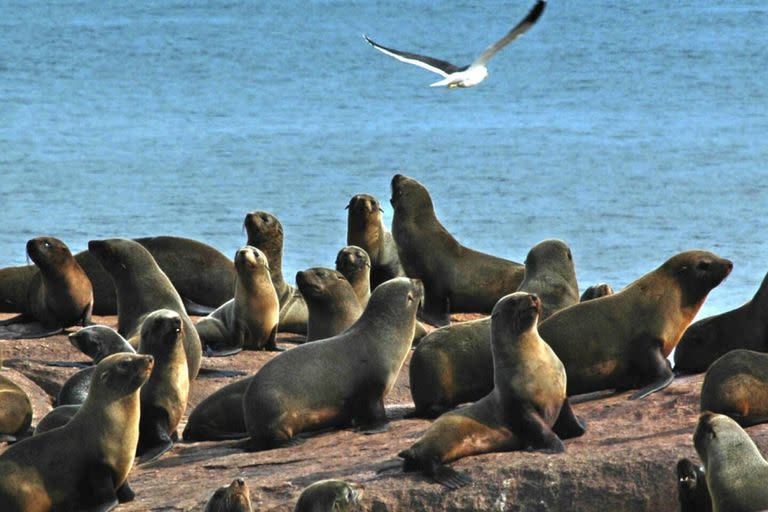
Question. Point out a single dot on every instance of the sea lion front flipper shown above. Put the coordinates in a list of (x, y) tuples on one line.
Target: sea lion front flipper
[(372, 419), (655, 365), (435, 312), (98, 490), (125, 493), (28, 330), (153, 440), (193, 308), (568, 425), (272, 342), (221, 352), (536, 434)]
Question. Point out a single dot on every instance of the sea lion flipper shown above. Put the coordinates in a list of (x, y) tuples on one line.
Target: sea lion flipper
[(568, 425), (445, 475), (222, 352), (372, 419), (98, 490), (439, 317), (28, 330), (125, 493), (6, 438), (536, 433), (272, 342), (193, 308), (153, 440), (655, 365)]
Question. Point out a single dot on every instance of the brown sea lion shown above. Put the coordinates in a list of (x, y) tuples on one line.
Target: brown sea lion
[(692, 492), (337, 381), (622, 341), (329, 496), (249, 321), (735, 470), (551, 275), (15, 410), (332, 303), (83, 465), (355, 265), (456, 278), (266, 234), (596, 291), (527, 407), (164, 396), (707, 339), (365, 229), (57, 295), (736, 385), (141, 289), (220, 416), (235, 497)]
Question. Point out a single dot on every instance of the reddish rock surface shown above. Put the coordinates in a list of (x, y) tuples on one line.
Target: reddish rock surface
[(625, 461)]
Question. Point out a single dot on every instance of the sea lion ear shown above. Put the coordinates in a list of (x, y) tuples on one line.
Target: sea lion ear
[(347, 207), (104, 377)]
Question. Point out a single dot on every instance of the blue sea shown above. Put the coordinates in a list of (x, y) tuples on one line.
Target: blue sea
[(631, 130)]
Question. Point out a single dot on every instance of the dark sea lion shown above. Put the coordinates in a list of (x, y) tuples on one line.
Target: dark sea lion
[(596, 291), (527, 408), (736, 385), (141, 289), (249, 320), (692, 492), (456, 278), (15, 410), (551, 275), (338, 381), (622, 341), (332, 303), (202, 275), (355, 265), (234, 497), (329, 496), (735, 470), (57, 417), (164, 396), (266, 234), (57, 295), (83, 465), (220, 416), (365, 229), (707, 339)]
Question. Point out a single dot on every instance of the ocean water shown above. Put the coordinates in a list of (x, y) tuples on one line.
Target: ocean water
[(631, 130)]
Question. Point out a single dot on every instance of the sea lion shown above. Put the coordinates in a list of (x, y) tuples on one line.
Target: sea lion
[(57, 417), (249, 321), (83, 465), (337, 381), (355, 265), (15, 410), (736, 385), (735, 470), (141, 289), (622, 341), (234, 497), (456, 278), (164, 396), (707, 339), (596, 291), (551, 275), (202, 275), (56, 296), (332, 303), (692, 492), (220, 416), (266, 234), (329, 496), (365, 229), (527, 408)]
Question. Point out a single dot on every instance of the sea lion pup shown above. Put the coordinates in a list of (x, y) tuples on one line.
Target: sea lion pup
[(596, 291), (622, 341), (83, 465), (141, 289), (735, 470), (235, 497), (355, 265), (98, 342), (58, 295), (456, 278), (329, 496), (527, 408), (744, 327), (201, 274), (15, 410), (692, 492), (337, 381), (164, 396), (365, 229), (56, 417), (332, 303), (736, 385), (249, 321), (220, 416), (266, 234), (550, 274)]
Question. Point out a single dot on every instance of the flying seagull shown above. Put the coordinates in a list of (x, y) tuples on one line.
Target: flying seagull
[(464, 76)]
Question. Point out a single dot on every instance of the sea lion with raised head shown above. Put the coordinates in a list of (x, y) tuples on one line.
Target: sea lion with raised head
[(332, 303), (456, 278), (355, 265), (692, 492), (235, 497), (141, 289), (329, 496), (736, 385), (527, 407), (83, 465), (248, 321), (551, 275), (337, 381)]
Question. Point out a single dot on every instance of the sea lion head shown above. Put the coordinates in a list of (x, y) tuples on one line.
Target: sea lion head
[(234, 497), (317, 283), (161, 331), (119, 255), (120, 375), (552, 255), (699, 347), (46, 251), (515, 313), (99, 341), (409, 196), (262, 228), (249, 259), (718, 436), (351, 260), (596, 291), (402, 292), (688, 475), (697, 272), (364, 206), (329, 496)]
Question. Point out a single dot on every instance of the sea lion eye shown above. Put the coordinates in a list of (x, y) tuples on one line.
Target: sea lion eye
[(47, 244), (703, 265), (570, 256)]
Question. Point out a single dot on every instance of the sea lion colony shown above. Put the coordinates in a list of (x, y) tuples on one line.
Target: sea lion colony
[(517, 371)]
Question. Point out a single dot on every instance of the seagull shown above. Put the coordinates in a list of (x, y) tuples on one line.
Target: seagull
[(464, 76)]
